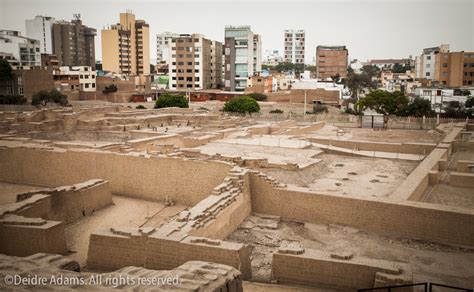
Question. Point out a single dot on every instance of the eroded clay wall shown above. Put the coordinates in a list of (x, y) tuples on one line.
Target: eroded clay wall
[(314, 268), (108, 251), (29, 238), (154, 178), (413, 187), (410, 219), (230, 218), (410, 148)]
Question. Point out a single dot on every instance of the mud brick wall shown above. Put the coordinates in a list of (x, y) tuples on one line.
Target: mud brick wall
[(24, 239), (413, 187), (313, 268), (460, 179), (406, 219), (462, 165), (108, 251), (409, 148), (154, 178)]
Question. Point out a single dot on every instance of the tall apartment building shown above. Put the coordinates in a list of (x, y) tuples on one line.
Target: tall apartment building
[(330, 61), (163, 41), (195, 62), (243, 56), (426, 62), (294, 46), (21, 52), (126, 46), (73, 43), (40, 28), (454, 69)]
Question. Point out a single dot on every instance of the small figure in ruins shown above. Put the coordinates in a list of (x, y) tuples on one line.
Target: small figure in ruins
[(166, 130)]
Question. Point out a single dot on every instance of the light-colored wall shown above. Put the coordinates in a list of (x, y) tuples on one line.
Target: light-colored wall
[(314, 268), (185, 182), (410, 219)]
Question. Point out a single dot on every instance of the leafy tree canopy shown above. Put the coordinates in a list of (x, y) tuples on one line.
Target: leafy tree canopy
[(6, 73), (384, 102), (242, 105), (44, 97), (419, 107), (172, 100)]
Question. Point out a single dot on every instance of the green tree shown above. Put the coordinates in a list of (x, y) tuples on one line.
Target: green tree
[(6, 73), (384, 102), (242, 105), (469, 102), (419, 107), (44, 97), (172, 100)]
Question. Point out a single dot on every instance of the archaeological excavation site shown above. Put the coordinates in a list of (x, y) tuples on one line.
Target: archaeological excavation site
[(219, 202)]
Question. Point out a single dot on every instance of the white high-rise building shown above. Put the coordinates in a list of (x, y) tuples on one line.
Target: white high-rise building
[(425, 64), (41, 28), (294, 46), (163, 41), (243, 57), (23, 52)]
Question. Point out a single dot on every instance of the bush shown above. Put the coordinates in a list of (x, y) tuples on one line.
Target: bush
[(171, 100), (258, 96), (276, 111), (140, 106), (12, 99), (319, 108), (109, 89), (43, 97), (242, 105), (469, 102)]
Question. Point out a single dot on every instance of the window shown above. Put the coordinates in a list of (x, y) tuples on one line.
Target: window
[(196, 78), (93, 85), (445, 65), (190, 63), (427, 74), (87, 85), (428, 57)]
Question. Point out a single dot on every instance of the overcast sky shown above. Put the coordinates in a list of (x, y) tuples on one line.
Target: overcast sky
[(370, 29)]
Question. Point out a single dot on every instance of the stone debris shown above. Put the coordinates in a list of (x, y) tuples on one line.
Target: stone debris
[(291, 248)]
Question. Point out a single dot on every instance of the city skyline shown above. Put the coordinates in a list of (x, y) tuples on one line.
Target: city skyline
[(369, 29)]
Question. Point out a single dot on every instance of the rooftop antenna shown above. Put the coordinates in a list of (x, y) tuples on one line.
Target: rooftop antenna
[(77, 16)]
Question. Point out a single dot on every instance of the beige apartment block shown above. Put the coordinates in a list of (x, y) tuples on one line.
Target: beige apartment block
[(195, 62), (455, 69), (330, 61), (126, 46)]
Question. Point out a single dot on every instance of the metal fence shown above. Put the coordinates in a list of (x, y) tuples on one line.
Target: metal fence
[(419, 287)]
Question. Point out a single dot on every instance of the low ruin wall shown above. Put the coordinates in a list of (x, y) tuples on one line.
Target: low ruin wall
[(460, 179), (151, 249), (413, 187), (154, 178), (22, 236), (315, 268), (407, 148), (462, 165), (406, 219)]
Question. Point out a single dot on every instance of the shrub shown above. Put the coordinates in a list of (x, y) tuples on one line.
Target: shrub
[(242, 105), (109, 89), (469, 102), (258, 96), (43, 97), (140, 106), (171, 100), (12, 99), (276, 111)]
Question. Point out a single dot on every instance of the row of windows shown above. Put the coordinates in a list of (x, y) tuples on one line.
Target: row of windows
[(187, 63), (187, 78), (187, 71), (187, 55)]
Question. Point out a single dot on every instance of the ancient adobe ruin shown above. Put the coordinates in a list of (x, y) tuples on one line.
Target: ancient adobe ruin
[(312, 205)]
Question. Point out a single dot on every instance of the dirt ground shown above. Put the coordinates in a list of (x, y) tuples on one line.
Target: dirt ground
[(8, 191), (129, 212), (432, 262), (348, 175)]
